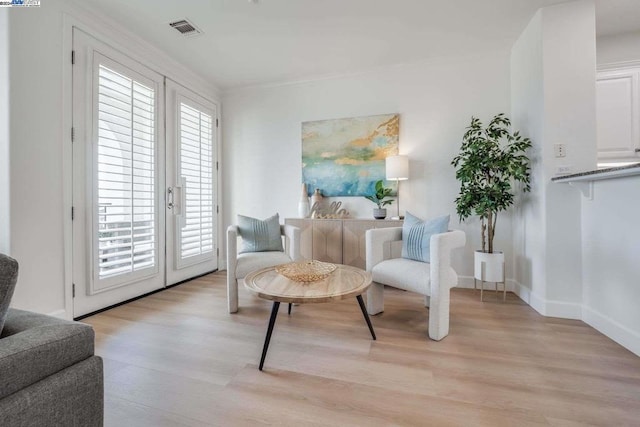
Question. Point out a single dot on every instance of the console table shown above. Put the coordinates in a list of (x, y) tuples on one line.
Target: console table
[(339, 241)]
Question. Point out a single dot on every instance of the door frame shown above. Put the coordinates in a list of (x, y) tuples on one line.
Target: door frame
[(123, 40), (177, 271), (85, 191)]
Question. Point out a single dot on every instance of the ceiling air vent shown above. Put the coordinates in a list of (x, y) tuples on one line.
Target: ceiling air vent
[(185, 27)]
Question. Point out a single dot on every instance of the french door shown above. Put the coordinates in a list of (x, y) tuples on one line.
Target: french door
[(120, 149), (191, 184)]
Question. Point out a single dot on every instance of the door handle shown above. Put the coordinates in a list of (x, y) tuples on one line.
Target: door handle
[(170, 203), (178, 208)]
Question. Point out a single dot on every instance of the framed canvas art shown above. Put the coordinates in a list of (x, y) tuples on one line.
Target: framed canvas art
[(345, 157)]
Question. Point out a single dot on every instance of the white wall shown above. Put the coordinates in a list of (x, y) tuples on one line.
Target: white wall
[(569, 60), (610, 234), (611, 252), (4, 132), (40, 52), (579, 257), (262, 146), (527, 109), (618, 48), (36, 156), (553, 98)]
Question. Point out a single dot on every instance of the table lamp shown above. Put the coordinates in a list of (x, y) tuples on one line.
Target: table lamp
[(397, 167)]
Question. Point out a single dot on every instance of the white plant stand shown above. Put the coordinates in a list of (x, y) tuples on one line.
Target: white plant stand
[(489, 267)]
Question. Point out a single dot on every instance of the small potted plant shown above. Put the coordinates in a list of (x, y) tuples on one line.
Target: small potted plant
[(490, 162), (381, 197)]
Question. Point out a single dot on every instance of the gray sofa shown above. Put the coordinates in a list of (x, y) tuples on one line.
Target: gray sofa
[(49, 375)]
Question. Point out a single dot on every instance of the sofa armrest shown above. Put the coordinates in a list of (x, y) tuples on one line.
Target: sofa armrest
[(292, 234), (232, 251), (441, 280), (442, 244), (34, 346), (378, 244)]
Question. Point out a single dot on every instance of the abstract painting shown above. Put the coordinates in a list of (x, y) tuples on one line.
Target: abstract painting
[(345, 157)]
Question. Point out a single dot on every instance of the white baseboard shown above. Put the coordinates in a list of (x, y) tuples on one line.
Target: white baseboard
[(523, 292), (565, 310), (604, 324), (465, 282), (549, 308), (545, 307), (614, 330)]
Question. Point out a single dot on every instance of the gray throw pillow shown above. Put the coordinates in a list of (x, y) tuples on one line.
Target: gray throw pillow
[(258, 235), (8, 279), (416, 236)]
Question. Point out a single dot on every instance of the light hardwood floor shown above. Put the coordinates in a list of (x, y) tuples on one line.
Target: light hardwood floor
[(177, 358)]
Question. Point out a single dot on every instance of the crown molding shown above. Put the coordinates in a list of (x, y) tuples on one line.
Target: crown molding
[(622, 65)]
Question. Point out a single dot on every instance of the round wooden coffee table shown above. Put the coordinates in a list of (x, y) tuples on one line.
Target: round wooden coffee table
[(344, 282)]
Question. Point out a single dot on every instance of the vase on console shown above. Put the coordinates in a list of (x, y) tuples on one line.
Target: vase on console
[(317, 202), (317, 197), (303, 204)]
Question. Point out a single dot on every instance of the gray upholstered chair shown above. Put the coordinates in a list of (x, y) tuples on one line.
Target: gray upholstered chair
[(433, 279), (239, 265), (49, 375)]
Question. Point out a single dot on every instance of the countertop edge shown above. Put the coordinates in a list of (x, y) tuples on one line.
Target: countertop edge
[(600, 174)]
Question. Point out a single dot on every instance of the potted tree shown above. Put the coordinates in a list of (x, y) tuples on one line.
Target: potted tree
[(490, 162), (378, 197)]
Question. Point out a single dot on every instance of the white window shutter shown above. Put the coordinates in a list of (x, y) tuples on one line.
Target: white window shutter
[(126, 174), (196, 167)]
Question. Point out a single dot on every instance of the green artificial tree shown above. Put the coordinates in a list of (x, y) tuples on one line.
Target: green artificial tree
[(490, 162)]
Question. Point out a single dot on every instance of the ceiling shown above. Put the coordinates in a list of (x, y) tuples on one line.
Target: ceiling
[(270, 41)]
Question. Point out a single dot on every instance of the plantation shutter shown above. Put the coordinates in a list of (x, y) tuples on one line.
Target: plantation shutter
[(126, 218), (196, 168)]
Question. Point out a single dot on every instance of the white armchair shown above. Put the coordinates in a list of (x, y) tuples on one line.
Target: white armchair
[(239, 265), (433, 279)]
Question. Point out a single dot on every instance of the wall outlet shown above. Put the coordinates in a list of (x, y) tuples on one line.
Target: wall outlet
[(560, 150), (564, 170)]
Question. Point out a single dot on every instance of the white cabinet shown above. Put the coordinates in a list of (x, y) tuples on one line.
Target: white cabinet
[(618, 115)]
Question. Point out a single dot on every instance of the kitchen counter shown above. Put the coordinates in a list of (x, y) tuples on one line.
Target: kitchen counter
[(600, 174)]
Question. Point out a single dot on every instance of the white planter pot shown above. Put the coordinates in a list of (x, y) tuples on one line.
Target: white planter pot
[(493, 266)]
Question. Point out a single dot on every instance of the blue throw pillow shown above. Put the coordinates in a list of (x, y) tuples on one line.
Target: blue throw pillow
[(258, 235), (416, 236)]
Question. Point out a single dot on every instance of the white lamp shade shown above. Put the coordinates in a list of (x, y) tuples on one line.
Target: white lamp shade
[(397, 167)]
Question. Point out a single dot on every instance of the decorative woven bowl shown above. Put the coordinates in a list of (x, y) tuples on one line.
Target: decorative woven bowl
[(306, 271)]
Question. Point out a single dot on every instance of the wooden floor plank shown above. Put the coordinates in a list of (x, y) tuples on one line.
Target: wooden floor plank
[(178, 358), (122, 412)]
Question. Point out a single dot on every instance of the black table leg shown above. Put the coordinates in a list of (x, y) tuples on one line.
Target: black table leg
[(272, 321), (366, 316), (289, 311)]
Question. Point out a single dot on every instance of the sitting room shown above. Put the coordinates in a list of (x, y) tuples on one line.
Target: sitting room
[(288, 212)]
